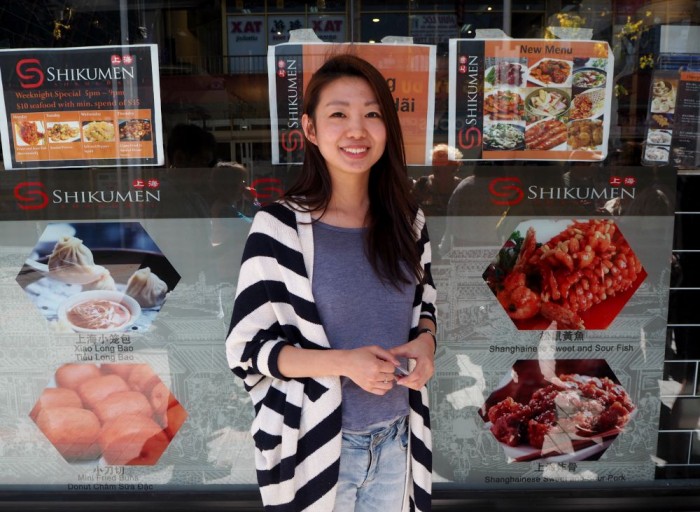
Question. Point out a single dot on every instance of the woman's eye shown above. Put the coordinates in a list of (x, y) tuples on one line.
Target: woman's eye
[(337, 114), (375, 115)]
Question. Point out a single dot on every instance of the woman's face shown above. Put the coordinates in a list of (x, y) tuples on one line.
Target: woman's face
[(347, 128)]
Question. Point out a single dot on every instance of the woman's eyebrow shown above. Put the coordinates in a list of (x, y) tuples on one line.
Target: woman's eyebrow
[(344, 103)]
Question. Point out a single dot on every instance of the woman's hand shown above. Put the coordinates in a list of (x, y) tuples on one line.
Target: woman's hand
[(422, 350), (371, 368)]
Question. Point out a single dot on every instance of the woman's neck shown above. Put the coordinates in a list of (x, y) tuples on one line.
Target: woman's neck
[(349, 205)]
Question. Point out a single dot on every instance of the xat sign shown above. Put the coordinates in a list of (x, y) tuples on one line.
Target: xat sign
[(30, 73), (327, 25), (30, 195), (249, 27), (506, 191)]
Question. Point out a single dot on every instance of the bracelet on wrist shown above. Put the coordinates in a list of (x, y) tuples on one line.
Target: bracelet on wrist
[(429, 331)]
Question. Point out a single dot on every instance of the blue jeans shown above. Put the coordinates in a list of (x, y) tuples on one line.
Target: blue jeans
[(373, 470)]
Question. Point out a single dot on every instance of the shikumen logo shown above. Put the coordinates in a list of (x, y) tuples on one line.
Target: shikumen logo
[(292, 140), (506, 191), (30, 73), (469, 137), (32, 195), (509, 191)]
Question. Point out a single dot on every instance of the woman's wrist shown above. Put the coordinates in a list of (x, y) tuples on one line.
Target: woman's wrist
[(427, 332)]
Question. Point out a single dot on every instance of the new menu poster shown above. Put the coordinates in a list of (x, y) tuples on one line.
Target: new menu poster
[(408, 70), (80, 107), (530, 99)]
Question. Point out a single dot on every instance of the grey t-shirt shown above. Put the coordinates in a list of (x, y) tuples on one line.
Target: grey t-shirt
[(358, 309)]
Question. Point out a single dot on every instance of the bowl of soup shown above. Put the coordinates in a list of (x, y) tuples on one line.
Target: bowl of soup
[(99, 311)]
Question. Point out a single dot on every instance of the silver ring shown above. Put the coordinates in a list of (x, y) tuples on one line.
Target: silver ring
[(386, 381)]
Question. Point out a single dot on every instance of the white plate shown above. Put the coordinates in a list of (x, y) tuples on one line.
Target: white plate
[(565, 83), (656, 154), (659, 137)]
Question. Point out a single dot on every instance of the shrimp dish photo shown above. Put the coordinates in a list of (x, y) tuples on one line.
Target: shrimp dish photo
[(560, 283)]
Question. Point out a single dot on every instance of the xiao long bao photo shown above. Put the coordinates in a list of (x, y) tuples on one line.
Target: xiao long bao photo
[(97, 277)]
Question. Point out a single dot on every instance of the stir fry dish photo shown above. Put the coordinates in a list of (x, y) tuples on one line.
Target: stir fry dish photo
[(551, 72), (504, 106), (572, 414), (577, 279), (135, 129)]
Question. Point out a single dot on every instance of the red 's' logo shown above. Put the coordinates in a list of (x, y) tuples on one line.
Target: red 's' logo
[(506, 191), (469, 138), (30, 73), (30, 195), (267, 188), (292, 140)]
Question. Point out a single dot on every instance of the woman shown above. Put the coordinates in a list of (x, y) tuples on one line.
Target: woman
[(334, 295)]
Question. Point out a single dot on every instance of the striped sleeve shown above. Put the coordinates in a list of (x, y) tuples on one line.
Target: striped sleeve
[(262, 322)]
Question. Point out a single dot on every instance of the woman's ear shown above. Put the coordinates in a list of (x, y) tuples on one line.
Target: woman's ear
[(308, 127)]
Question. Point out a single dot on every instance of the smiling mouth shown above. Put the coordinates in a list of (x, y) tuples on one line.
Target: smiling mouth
[(355, 151)]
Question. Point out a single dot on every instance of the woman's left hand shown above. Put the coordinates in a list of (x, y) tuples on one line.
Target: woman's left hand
[(422, 349)]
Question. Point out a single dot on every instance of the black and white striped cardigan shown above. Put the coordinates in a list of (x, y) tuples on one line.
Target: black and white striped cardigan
[(297, 424)]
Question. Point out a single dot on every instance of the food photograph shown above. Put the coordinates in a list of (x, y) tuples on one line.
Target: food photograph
[(663, 96), (547, 134), (551, 72), (589, 104), (68, 131), (585, 134), (135, 129), (505, 73), (504, 105), (564, 274), (560, 410), (547, 102), (588, 78), (29, 133), (116, 414), (656, 154), (97, 278), (98, 131), (504, 137)]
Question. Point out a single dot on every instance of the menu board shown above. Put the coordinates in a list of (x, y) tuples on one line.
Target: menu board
[(409, 72), (530, 99), (673, 121), (80, 107)]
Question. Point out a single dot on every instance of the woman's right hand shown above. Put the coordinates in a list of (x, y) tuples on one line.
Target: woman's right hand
[(371, 368)]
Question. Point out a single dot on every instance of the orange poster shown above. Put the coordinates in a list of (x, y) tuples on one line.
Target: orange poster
[(409, 72)]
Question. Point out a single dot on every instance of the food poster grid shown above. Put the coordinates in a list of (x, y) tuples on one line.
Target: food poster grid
[(482, 354), (512, 401), (410, 74), (673, 120), (530, 99), (80, 107)]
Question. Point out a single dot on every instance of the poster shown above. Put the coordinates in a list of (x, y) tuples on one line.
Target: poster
[(409, 72), (528, 337), (673, 122), (199, 415), (80, 107), (530, 99)]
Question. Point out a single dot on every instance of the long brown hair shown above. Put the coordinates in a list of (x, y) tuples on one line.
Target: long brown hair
[(390, 243)]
